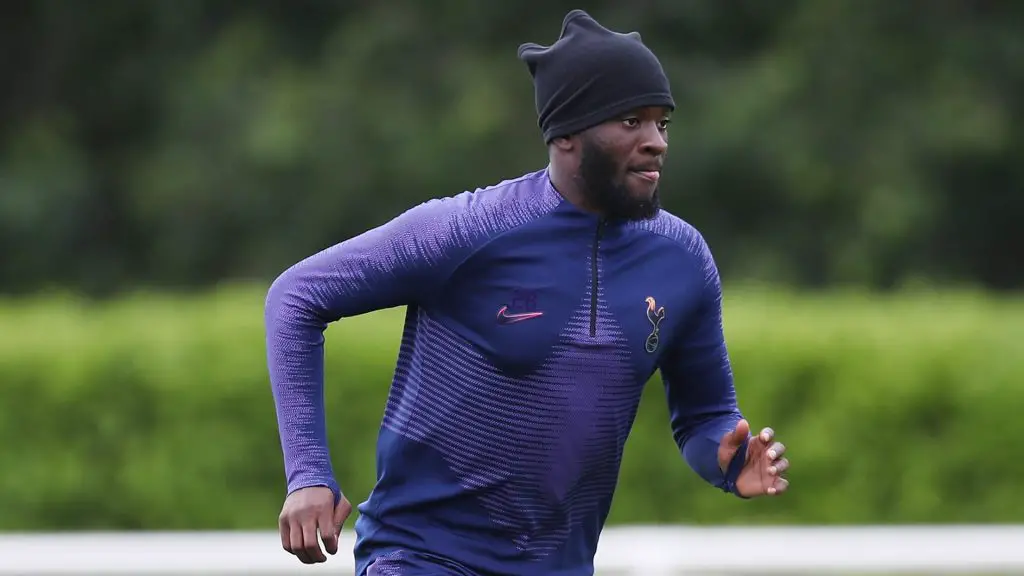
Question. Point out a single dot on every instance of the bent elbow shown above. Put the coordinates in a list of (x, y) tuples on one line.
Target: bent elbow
[(278, 295), (288, 300)]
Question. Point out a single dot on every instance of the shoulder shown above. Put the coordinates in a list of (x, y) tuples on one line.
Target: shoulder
[(677, 232), (690, 243), (472, 218)]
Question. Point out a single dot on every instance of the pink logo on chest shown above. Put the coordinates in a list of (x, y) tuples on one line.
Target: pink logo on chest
[(506, 317)]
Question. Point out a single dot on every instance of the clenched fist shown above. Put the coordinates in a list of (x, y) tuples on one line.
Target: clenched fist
[(307, 513)]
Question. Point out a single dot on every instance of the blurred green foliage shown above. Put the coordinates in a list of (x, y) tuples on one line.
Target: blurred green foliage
[(817, 142), (155, 412)]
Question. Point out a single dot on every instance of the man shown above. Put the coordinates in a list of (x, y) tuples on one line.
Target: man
[(537, 309)]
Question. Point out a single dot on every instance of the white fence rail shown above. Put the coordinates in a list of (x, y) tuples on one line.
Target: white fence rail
[(651, 551)]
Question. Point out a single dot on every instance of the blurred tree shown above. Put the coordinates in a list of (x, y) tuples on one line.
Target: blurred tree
[(817, 142)]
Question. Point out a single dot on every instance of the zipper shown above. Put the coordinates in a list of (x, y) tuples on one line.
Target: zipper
[(594, 280)]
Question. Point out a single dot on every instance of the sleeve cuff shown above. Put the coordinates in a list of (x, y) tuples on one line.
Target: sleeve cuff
[(325, 482), (732, 474)]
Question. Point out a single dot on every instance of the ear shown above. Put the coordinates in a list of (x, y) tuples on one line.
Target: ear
[(564, 143)]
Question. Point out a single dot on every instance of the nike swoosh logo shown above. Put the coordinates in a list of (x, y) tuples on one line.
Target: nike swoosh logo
[(504, 317)]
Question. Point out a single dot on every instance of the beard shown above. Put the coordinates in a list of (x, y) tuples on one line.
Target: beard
[(605, 187)]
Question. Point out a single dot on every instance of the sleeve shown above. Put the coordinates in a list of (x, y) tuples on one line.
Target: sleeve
[(402, 262), (698, 381)]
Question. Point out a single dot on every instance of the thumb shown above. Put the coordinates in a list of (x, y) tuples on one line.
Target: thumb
[(341, 512), (739, 434)]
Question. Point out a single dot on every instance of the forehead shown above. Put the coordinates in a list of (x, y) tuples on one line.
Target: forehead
[(650, 112)]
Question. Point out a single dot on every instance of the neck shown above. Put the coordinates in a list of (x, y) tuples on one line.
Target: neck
[(570, 188)]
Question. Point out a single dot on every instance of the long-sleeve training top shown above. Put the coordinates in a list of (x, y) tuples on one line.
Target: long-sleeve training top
[(531, 329)]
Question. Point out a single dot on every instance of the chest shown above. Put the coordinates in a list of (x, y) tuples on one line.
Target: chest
[(526, 300)]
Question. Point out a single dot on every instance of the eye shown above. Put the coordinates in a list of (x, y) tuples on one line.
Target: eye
[(663, 125), (631, 122)]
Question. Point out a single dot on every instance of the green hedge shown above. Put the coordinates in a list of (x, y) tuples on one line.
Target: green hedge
[(155, 412)]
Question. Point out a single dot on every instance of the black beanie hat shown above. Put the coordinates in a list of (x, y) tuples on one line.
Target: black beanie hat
[(591, 75)]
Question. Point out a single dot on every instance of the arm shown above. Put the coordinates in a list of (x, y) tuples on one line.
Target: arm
[(698, 383), (402, 262)]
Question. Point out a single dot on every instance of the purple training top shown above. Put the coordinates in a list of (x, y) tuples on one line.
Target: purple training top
[(531, 329)]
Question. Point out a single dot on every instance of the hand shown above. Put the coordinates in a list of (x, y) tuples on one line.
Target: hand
[(764, 470), (305, 512)]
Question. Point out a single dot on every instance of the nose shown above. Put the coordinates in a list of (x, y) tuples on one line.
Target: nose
[(653, 140)]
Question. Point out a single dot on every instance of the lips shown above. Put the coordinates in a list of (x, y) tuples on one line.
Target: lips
[(651, 175)]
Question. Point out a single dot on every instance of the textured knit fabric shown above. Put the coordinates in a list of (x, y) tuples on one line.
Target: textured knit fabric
[(530, 332), (591, 75)]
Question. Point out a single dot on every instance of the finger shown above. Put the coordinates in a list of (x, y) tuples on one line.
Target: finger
[(286, 536), (778, 487), (311, 546), (779, 467), (776, 450), (766, 435), (328, 531), (296, 546)]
